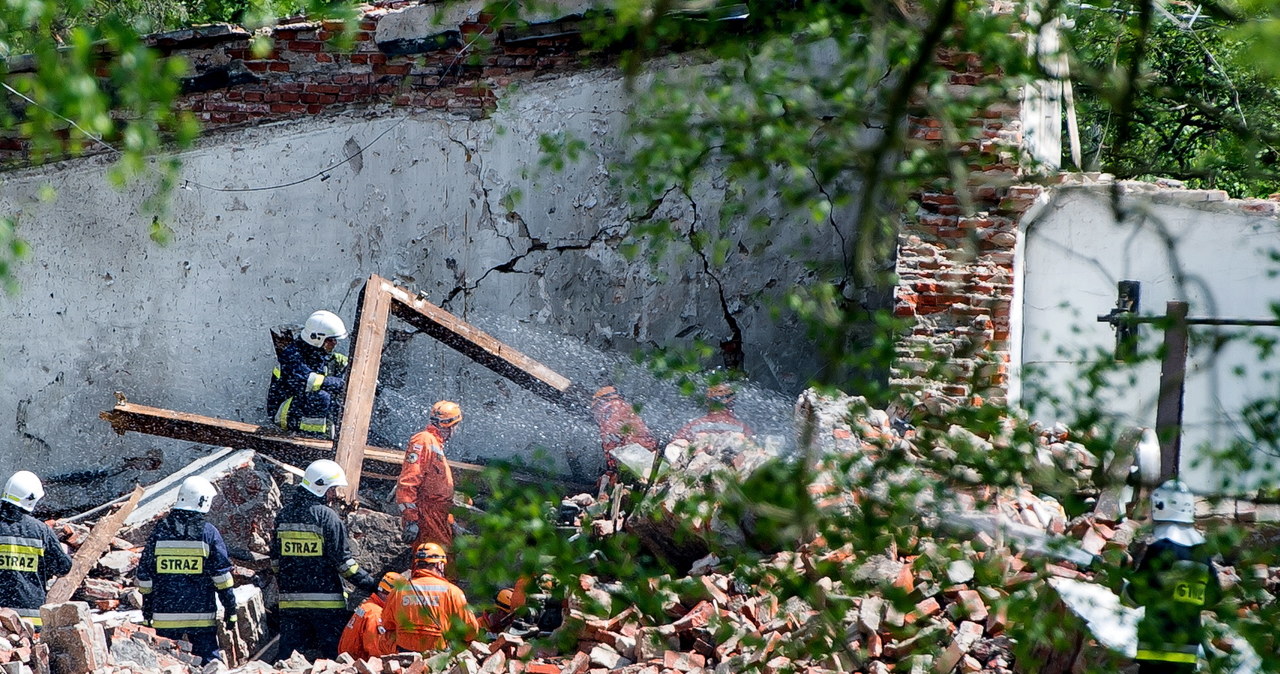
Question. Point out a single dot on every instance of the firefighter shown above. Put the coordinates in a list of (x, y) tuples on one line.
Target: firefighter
[(311, 554), (365, 637), (183, 567), (424, 491), (29, 552), (619, 426), (506, 606), (420, 612), (1175, 580), (309, 377), (720, 417)]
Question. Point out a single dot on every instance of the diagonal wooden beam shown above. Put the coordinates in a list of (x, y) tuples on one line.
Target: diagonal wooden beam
[(477, 345), (89, 553)]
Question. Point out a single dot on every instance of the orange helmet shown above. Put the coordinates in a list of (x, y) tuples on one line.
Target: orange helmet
[(721, 394), (387, 583), (503, 600), (428, 554), (446, 414)]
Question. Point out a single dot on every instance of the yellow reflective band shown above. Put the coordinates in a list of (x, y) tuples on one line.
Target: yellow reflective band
[(301, 544), (180, 624), (223, 581), (313, 603), (276, 373), (282, 414), (1166, 656), (178, 560), (313, 425), (314, 381), (37, 622)]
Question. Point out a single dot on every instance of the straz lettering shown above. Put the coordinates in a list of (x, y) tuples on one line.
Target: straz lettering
[(420, 600), (18, 561), (179, 564), (301, 544)]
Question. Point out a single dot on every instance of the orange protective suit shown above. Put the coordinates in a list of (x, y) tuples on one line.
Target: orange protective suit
[(619, 426), (424, 491), (364, 636), (419, 612), (719, 421)]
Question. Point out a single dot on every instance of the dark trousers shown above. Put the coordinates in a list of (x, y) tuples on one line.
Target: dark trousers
[(314, 632), (204, 640)]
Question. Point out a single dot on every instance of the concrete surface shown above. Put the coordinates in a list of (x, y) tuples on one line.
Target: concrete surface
[(460, 209)]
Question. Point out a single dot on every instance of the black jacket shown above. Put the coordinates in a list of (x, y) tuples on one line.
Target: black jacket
[(1175, 583), (184, 563), (30, 554), (298, 361), (311, 553)]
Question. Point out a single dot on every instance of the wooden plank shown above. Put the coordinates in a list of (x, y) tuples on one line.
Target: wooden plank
[(91, 551), (378, 462), (362, 382), (476, 344)]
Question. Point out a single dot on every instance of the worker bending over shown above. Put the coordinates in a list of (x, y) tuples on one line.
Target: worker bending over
[(311, 554), (184, 565), (365, 637), (303, 386), (420, 612), (720, 418), (424, 491), (30, 553), (619, 426), (1174, 580)]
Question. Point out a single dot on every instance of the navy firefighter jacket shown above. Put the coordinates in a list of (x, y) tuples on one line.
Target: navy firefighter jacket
[(304, 368), (184, 564), (29, 555), (311, 553)]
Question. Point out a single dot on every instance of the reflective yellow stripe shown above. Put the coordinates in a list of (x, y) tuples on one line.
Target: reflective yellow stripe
[(1166, 656), (313, 424), (223, 581), (35, 621), (181, 624), (276, 373), (282, 414), (313, 604), (14, 557), (314, 381)]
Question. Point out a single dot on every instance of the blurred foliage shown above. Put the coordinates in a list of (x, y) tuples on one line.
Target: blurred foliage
[(811, 102), (1179, 90)]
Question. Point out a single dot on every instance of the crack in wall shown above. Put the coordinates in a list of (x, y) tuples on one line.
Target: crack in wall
[(731, 349)]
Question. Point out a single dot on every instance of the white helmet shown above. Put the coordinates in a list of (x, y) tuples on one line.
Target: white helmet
[(1173, 502), (196, 494), (323, 474), (23, 490), (321, 326)]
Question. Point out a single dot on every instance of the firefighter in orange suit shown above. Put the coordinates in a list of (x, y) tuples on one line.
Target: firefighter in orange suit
[(364, 636), (420, 612), (720, 418), (619, 426), (424, 491)]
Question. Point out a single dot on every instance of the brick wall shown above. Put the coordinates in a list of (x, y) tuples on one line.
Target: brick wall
[(955, 264), (305, 73)]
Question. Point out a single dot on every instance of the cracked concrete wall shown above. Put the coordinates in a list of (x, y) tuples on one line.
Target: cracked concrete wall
[(431, 204)]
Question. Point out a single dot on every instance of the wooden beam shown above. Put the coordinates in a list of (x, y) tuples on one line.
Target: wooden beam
[(362, 382), (476, 344), (91, 551), (379, 462)]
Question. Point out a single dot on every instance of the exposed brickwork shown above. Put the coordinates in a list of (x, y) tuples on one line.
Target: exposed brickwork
[(955, 264), (305, 73)]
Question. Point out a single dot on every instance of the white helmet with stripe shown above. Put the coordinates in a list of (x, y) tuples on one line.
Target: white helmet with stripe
[(24, 489), (323, 474)]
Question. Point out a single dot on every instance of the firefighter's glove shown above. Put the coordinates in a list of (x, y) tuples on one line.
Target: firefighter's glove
[(411, 532), (231, 622), (342, 360)]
